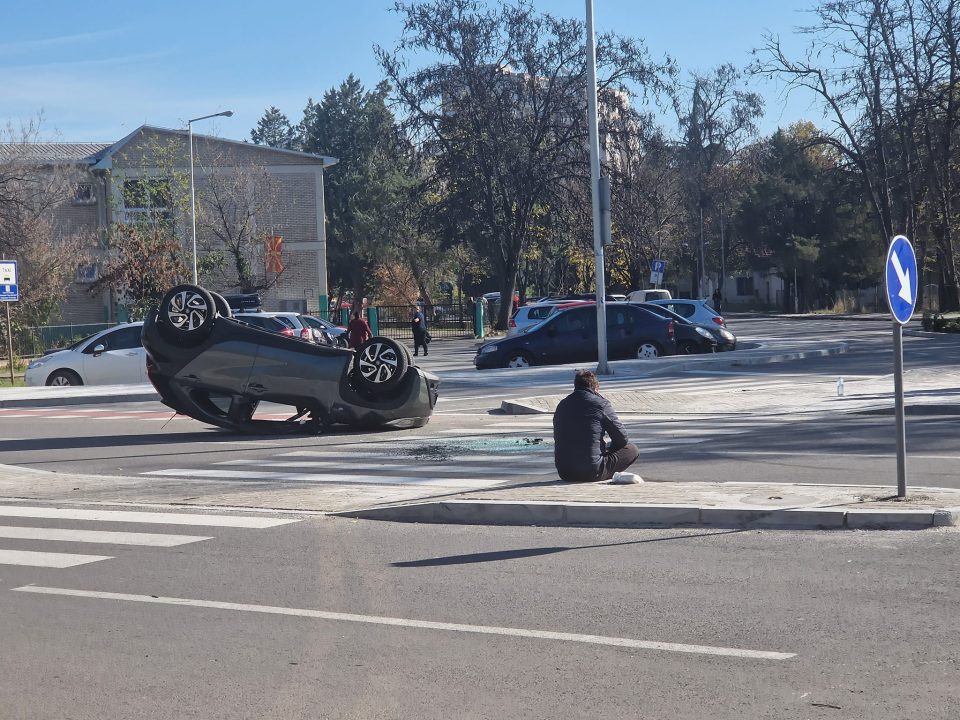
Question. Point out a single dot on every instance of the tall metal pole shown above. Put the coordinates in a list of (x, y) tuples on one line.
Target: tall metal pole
[(9, 342), (602, 367), (193, 204), (901, 422)]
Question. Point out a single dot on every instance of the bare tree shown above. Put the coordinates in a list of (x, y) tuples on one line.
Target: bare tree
[(235, 213)]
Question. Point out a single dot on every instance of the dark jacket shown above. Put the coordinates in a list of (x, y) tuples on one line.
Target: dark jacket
[(418, 325), (579, 423)]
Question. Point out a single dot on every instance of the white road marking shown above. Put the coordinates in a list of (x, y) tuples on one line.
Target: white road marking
[(533, 457), (420, 624), (386, 467), (99, 536), (818, 453), (130, 516), (374, 479), (47, 559)]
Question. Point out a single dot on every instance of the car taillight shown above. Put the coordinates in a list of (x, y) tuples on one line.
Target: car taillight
[(717, 319), (513, 323), (287, 331), (670, 329), (305, 334)]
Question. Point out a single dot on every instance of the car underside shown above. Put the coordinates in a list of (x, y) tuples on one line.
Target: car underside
[(216, 369)]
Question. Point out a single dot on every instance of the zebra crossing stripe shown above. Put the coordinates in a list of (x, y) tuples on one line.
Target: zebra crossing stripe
[(341, 479), (425, 469), (47, 559), (154, 518), (99, 536)]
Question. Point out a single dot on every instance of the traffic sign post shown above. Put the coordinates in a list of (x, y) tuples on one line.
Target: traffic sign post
[(902, 283), (9, 292), (657, 268)]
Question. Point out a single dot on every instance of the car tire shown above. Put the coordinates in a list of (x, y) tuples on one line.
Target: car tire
[(647, 350), (687, 347), (63, 378), (223, 307), (380, 364), (518, 359), (186, 315)]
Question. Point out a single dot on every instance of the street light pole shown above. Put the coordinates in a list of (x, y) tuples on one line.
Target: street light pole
[(597, 194), (193, 200)]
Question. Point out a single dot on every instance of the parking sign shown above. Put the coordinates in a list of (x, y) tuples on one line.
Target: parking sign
[(9, 290)]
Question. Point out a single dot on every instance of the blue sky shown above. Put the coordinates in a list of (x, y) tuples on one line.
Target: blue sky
[(99, 70)]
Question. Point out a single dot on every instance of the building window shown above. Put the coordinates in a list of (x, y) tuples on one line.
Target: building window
[(86, 273), (745, 286), (147, 199), (83, 195)]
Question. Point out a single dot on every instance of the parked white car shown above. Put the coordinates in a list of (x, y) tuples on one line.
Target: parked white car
[(639, 296), (529, 315), (696, 311), (109, 357)]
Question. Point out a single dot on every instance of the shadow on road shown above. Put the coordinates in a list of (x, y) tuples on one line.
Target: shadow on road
[(499, 555)]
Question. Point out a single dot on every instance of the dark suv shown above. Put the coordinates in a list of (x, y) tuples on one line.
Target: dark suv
[(571, 336)]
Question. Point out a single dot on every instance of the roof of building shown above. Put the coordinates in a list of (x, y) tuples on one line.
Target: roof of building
[(86, 153)]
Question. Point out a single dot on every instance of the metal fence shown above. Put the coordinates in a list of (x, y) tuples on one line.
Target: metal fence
[(33, 341), (443, 321)]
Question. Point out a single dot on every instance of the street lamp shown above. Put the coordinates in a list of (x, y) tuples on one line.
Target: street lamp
[(193, 200)]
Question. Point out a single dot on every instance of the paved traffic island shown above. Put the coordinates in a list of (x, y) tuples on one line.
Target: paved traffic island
[(691, 504)]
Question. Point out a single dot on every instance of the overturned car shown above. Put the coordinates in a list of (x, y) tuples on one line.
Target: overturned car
[(211, 366)]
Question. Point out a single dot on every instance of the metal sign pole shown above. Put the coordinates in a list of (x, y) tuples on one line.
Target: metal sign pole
[(901, 421), (9, 342)]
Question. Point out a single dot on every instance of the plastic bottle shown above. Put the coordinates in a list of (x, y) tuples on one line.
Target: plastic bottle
[(840, 386)]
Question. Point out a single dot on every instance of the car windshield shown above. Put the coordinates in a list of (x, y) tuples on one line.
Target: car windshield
[(665, 312), (313, 322)]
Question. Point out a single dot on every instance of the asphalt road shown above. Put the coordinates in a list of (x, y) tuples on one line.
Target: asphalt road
[(137, 439), (328, 618)]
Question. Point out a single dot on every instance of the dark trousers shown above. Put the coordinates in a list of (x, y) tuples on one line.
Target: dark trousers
[(612, 462), (418, 342)]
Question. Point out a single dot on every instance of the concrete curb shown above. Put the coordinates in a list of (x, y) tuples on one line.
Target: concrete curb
[(81, 399), (623, 515)]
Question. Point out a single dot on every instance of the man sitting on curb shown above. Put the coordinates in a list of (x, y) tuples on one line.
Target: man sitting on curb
[(579, 423)]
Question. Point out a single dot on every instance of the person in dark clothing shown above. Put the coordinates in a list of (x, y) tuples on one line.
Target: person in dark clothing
[(419, 327), (579, 424), (358, 331), (718, 301)]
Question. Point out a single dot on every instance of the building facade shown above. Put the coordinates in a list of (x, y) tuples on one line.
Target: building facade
[(115, 186)]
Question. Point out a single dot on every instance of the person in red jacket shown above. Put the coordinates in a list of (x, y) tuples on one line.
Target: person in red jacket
[(358, 331)]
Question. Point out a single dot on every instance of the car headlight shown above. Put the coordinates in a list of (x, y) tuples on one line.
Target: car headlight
[(727, 335), (704, 333), (488, 348), (37, 363)]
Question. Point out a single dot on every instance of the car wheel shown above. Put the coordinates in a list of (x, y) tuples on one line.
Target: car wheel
[(63, 378), (686, 347), (186, 314), (647, 350), (518, 359), (223, 307), (380, 363)]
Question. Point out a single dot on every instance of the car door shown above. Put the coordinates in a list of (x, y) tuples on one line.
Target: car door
[(621, 332), (115, 358), (571, 337)]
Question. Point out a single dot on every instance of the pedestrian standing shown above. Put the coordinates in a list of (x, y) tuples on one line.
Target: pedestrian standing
[(718, 301), (579, 424), (419, 327), (358, 331)]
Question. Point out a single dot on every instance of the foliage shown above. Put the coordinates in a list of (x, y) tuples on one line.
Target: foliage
[(366, 190), (502, 111), (145, 262), (274, 129)]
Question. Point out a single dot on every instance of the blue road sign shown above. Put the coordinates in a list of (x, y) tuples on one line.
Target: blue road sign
[(902, 280), (9, 291), (658, 266)]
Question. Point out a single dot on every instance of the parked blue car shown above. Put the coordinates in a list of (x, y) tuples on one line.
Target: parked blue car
[(571, 336)]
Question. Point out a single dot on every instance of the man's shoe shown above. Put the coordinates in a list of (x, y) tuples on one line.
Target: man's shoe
[(625, 478)]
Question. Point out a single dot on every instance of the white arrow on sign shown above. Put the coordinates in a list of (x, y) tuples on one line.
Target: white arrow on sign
[(904, 276)]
